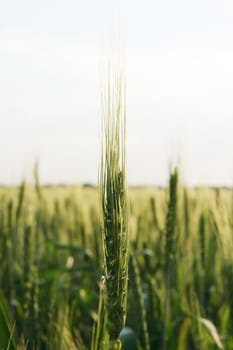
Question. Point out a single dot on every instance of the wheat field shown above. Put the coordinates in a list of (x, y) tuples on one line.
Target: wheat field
[(114, 267), (179, 286)]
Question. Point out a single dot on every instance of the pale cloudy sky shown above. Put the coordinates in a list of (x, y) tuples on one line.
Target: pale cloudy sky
[(179, 88)]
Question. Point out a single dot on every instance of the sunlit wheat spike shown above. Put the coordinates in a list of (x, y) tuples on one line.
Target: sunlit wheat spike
[(114, 199)]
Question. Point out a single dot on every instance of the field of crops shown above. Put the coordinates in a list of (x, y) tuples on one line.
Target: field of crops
[(116, 268), (180, 288)]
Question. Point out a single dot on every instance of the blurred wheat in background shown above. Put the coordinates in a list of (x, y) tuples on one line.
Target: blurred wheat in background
[(180, 264)]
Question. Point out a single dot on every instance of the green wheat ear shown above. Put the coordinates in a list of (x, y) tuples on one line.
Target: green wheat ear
[(114, 202), (171, 219)]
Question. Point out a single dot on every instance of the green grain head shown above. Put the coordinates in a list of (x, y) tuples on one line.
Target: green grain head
[(114, 201), (171, 218)]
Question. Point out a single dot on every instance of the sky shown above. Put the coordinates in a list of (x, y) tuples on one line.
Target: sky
[(179, 74)]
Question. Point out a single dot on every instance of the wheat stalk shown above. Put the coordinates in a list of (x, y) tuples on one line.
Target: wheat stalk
[(114, 201), (169, 247)]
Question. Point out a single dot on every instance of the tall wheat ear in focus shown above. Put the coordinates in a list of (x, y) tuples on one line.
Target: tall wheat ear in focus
[(113, 195)]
